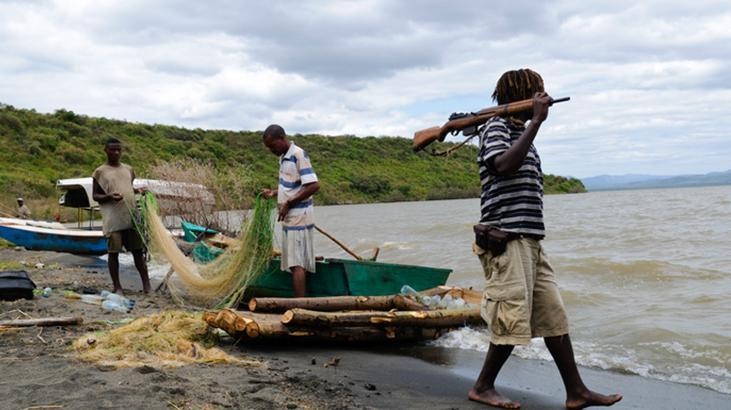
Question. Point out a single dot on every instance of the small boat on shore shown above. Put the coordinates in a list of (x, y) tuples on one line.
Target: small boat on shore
[(38, 238), (333, 277), (78, 193)]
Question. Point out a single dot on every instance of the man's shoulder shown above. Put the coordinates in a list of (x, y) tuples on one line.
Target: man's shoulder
[(106, 168)]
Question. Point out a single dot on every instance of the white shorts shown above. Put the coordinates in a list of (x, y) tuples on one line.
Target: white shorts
[(298, 248)]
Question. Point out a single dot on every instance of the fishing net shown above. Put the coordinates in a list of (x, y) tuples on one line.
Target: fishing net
[(221, 282), (167, 339)]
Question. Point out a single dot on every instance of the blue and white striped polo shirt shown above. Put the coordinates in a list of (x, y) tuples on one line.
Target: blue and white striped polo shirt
[(513, 203), (295, 170)]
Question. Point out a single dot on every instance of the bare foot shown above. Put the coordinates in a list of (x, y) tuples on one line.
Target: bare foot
[(591, 398), (492, 398)]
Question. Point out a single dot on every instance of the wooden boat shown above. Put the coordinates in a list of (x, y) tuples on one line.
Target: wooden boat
[(333, 277), (52, 236), (38, 238), (341, 277)]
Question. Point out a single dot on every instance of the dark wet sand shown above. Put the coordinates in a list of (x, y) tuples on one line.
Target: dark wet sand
[(35, 373)]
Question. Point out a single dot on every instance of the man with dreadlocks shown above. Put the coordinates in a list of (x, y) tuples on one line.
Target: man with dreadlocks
[(521, 298)]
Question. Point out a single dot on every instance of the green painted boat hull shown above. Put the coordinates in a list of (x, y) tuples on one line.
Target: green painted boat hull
[(340, 277)]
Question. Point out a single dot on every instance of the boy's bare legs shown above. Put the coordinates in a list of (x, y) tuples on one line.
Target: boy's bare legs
[(299, 281), (141, 265), (484, 389), (113, 264), (578, 396)]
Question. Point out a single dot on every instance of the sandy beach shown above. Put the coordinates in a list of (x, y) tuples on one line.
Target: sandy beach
[(40, 369)]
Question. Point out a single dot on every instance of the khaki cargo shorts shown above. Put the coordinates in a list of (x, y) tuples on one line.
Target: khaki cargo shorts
[(129, 238), (521, 299)]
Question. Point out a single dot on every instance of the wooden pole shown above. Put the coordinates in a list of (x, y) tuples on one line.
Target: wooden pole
[(345, 248), (335, 303), (47, 321), (429, 318)]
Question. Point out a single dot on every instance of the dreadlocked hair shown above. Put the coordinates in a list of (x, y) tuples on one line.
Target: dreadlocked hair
[(517, 85)]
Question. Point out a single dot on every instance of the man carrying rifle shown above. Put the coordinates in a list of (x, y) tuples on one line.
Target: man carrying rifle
[(521, 298)]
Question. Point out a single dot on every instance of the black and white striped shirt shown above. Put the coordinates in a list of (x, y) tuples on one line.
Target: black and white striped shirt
[(513, 203)]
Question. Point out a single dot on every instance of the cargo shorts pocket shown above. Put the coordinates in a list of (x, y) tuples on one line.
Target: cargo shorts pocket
[(504, 309)]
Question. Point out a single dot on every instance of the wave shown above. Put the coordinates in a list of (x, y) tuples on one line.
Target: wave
[(674, 360)]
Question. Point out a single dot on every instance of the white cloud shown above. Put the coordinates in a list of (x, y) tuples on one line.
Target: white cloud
[(649, 82)]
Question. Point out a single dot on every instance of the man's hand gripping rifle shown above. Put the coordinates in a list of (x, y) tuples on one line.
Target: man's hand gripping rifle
[(468, 123)]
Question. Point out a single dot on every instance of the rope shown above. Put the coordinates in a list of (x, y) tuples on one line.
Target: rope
[(446, 152)]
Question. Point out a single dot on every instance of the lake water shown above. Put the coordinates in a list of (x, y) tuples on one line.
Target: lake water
[(645, 274)]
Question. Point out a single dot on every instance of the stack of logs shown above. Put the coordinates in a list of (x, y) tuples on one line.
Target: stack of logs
[(345, 318)]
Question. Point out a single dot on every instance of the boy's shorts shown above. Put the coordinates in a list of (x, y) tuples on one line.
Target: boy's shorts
[(521, 299), (298, 248), (129, 238)]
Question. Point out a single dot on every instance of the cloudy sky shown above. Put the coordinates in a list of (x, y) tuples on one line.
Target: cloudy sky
[(649, 81)]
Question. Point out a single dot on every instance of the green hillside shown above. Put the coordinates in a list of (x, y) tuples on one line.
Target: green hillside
[(38, 149)]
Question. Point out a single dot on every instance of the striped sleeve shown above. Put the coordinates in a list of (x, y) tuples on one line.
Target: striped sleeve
[(495, 140), (304, 167)]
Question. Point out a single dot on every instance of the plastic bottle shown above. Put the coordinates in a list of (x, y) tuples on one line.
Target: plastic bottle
[(92, 299), (46, 292), (112, 306), (119, 299), (70, 294), (426, 300), (447, 302), (434, 302), (407, 290)]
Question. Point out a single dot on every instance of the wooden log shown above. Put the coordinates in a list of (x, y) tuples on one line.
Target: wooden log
[(270, 330), (266, 326), (46, 321), (335, 303), (228, 320), (441, 318)]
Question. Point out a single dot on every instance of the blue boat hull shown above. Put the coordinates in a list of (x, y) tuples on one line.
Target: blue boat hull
[(58, 240)]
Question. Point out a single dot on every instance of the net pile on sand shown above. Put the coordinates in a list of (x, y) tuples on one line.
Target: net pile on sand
[(167, 339), (222, 282)]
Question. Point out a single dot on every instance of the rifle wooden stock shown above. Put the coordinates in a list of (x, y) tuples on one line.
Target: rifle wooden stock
[(426, 136)]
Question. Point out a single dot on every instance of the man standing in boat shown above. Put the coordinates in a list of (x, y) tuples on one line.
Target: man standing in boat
[(521, 299), (114, 192), (297, 183)]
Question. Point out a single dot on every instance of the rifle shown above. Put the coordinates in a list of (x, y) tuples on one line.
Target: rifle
[(467, 123)]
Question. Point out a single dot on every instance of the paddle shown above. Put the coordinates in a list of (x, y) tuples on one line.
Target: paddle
[(345, 248)]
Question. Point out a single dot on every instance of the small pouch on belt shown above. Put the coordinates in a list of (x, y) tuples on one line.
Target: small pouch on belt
[(492, 239)]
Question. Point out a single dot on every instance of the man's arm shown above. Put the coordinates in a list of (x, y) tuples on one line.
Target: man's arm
[(511, 160), (307, 191), (102, 197), (269, 193)]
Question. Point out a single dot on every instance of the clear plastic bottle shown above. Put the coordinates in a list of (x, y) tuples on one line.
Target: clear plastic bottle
[(458, 303), (46, 292), (407, 290), (92, 299), (447, 302), (435, 302), (112, 306), (119, 299)]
